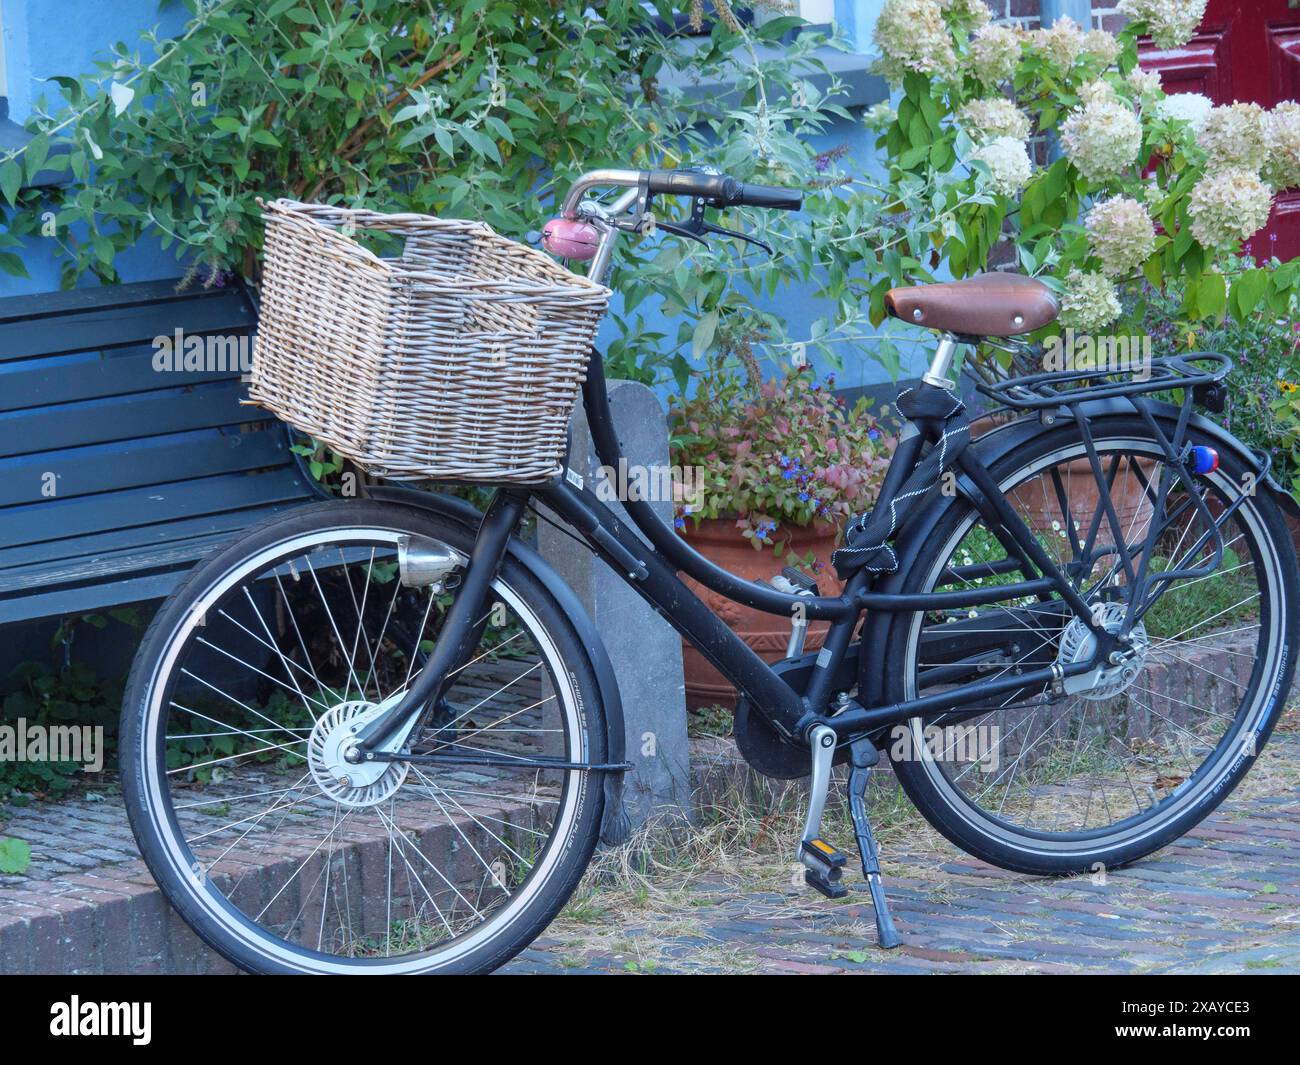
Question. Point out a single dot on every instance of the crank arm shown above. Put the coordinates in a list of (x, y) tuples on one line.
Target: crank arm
[(497, 761)]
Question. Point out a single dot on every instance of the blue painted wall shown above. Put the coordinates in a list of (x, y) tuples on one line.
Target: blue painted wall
[(42, 38)]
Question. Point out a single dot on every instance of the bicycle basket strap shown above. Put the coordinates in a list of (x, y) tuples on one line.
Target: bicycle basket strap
[(866, 539)]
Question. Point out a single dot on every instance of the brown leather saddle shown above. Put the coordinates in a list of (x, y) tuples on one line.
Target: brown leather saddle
[(986, 305)]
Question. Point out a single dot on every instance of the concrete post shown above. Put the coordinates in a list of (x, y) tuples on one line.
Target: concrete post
[(645, 650)]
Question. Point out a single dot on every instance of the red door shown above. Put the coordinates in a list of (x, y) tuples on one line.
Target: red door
[(1245, 50)]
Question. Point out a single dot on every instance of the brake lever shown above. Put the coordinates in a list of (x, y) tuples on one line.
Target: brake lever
[(697, 227), (709, 227), (682, 231)]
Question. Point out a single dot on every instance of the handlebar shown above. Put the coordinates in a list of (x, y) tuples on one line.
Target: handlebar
[(719, 189), (722, 190)]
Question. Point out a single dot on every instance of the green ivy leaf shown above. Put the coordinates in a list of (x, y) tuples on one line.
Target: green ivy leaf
[(702, 338), (1211, 295), (11, 180), (15, 856)]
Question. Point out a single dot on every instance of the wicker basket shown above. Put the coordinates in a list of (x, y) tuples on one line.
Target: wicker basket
[(460, 360)]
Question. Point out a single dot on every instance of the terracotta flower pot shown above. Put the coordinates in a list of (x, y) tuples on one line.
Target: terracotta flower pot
[(720, 541)]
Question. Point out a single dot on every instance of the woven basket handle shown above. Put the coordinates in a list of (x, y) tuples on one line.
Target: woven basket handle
[(361, 218)]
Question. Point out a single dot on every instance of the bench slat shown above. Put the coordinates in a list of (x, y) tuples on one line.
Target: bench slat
[(126, 418), (55, 519), (107, 565), (102, 326), (139, 463), (143, 540), (119, 374)]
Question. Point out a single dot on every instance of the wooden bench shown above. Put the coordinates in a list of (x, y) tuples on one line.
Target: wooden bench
[(116, 476)]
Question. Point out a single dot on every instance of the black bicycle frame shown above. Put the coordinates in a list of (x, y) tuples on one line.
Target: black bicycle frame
[(652, 570)]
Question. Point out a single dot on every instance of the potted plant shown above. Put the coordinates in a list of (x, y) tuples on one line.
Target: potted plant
[(777, 467)]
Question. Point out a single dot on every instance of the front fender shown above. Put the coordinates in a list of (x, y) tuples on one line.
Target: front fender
[(614, 828)]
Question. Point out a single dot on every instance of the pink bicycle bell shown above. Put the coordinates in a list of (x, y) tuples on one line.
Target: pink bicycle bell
[(570, 239)]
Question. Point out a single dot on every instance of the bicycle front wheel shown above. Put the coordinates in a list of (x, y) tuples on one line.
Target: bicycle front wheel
[(1052, 780), (285, 858)]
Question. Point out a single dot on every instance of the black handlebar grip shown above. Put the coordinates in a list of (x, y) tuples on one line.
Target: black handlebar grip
[(692, 183), (765, 196), (722, 190)]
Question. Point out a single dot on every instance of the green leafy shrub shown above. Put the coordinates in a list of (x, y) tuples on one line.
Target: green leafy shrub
[(481, 110)]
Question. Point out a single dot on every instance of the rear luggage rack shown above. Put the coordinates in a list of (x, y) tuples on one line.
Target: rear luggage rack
[(1197, 370)]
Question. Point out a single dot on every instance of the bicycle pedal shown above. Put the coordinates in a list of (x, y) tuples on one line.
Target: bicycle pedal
[(804, 584), (820, 855), (829, 886)]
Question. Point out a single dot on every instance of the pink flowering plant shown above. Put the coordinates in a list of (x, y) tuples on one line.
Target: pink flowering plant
[(777, 453)]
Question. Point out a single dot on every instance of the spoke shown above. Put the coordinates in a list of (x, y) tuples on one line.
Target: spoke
[(280, 804), (252, 734), (438, 872), (216, 800), (361, 613), (242, 705), (338, 823), (267, 629), (412, 877), (242, 754), (492, 726), (1183, 702), (461, 832), (460, 717), (330, 615), (419, 635), (306, 699), (431, 788), (302, 643)]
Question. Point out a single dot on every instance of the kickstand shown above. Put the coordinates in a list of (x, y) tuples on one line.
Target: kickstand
[(863, 755)]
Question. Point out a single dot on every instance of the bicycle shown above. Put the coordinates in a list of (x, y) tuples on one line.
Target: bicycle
[(382, 736)]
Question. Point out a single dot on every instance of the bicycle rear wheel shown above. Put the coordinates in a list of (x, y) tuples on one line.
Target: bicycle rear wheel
[(285, 858), (1043, 781)]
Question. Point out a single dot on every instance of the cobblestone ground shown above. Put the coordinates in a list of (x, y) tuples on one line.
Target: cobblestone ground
[(1224, 899)]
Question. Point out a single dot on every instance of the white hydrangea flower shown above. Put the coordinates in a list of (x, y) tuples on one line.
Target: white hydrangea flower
[(1105, 46), (985, 120), (1121, 235), (1008, 163), (1171, 23), (1228, 207), (1102, 139), (1145, 83), (1233, 137), (995, 54), (912, 35), (1282, 133), (1189, 107), (974, 13), (1062, 44), (880, 115), (1100, 89), (1089, 302)]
